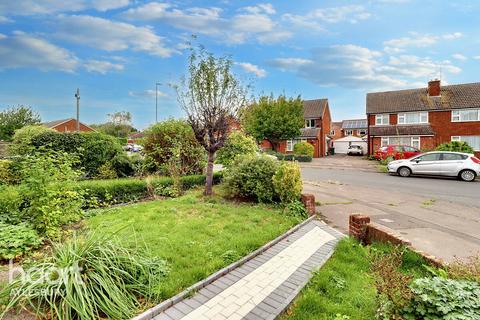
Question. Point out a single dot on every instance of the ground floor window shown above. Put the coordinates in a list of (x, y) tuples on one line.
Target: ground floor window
[(291, 143), (473, 141), (411, 141), (349, 132)]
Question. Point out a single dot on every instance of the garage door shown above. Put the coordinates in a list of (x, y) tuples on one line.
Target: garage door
[(341, 147)]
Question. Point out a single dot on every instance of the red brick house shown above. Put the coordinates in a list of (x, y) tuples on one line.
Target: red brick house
[(316, 131), (67, 125), (425, 117)]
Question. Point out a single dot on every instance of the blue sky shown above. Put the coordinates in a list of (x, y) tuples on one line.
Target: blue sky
[(115, 50)]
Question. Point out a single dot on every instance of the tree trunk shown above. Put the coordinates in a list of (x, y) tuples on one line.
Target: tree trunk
[(209, 177)]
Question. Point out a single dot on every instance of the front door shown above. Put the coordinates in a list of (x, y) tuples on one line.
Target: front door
[(427, 164)]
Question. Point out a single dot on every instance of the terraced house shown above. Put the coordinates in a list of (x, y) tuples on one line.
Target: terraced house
[(426, 117)]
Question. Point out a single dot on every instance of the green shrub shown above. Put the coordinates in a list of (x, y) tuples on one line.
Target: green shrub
[(296, 209), (171, 138), (105, 171), (303, 149), (386, 161), (440, 298), (102, 193), (22, 139), (238, 143), (7, 176), (10, 202), (93, 149), (288, 182), (299, 158), (250, 176), (457, 146), (87, 278), (16, 240), (47, 188)]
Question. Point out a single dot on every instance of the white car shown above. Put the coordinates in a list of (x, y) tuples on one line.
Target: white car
[(354, 150), (439, 163)]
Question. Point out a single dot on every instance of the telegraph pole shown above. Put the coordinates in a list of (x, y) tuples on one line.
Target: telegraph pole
[(77, 95), (156, 101)]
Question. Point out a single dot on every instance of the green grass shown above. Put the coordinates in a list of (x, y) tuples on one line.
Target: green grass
[(344, 286), (196, 236)]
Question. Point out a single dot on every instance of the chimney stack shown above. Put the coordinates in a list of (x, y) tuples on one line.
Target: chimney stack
[(434, 88)]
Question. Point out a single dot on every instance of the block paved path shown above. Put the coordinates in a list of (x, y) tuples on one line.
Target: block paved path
[(263, 287)]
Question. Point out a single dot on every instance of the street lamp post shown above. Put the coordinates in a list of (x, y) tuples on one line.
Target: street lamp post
[(156, 101)]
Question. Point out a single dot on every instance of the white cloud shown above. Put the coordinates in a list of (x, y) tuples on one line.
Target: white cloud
[(261, 8), (146, 94), (476, 57), (352, 66), (31, 7), (253, 22), (5, 20), (417, 40), (251, 68), (22, 50), (102, 67), (286, 64), (110, 35), (459, 56), (317, 18)]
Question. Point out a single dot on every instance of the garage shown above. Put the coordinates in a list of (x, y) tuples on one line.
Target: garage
[(341, 145)]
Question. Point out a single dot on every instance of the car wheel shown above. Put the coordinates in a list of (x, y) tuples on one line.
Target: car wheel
[(404, 172), (467, 175)]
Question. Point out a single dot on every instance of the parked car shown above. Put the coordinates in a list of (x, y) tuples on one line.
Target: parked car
[(397, 152), (133, 147), (439, 163), (354, 150)]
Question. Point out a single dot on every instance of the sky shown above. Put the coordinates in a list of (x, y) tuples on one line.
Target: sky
[(115, 51)]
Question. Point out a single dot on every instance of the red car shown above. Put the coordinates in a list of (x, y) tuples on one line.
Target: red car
[(397, 152)]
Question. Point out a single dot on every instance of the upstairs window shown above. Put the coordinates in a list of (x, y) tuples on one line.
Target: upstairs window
[(382, 119), (413, 118), (465, 115), (310, 123)]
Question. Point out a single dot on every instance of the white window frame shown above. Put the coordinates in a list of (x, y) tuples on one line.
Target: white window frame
[(402, 117), (382, 117), (332, 132), (385, 141), (459, 138), (349, 132), (457, 115), (308, 123), (289, 145)]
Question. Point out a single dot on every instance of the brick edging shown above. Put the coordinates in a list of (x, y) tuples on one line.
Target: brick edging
[(159, 308)]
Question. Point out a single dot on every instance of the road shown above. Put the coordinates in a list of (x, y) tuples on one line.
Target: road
[(447, 189), (439, 216)]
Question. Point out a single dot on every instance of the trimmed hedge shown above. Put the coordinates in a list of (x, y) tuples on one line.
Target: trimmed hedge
[(100, 193)]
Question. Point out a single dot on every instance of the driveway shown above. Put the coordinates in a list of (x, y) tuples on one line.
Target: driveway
[(439, 216)]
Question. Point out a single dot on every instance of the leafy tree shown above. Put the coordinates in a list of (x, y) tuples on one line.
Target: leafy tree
[(16, 118), (210, 96), (172, 142), (274, 119), (119, 125), (236, 144)]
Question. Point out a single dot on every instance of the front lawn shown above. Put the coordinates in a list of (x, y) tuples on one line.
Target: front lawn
[(344, 288), (195, 235)]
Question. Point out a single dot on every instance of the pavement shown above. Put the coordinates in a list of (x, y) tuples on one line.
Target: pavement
[(264, 286), (439, 216)]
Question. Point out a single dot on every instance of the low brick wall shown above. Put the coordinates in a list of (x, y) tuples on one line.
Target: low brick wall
[(361, 228), (308, 201)]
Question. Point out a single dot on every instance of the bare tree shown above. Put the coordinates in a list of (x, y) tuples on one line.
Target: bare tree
[(211, 96)]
